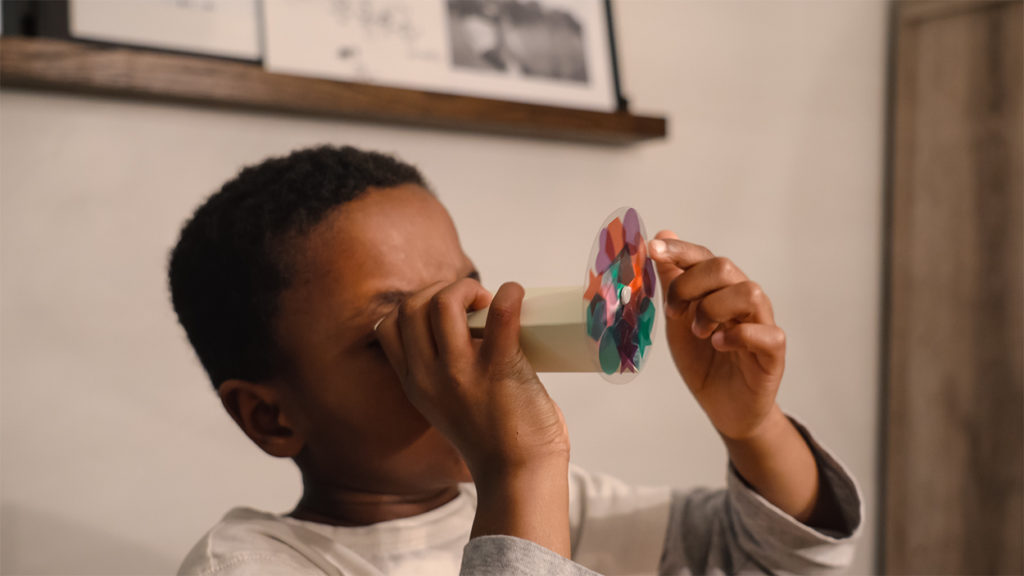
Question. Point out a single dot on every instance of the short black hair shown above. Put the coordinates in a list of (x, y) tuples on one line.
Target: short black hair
[(232, 260)]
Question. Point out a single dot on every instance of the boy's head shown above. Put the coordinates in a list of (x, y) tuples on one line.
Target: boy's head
[(279, 279)]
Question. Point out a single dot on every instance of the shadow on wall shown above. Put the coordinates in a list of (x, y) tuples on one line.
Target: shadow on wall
[(38, 542)]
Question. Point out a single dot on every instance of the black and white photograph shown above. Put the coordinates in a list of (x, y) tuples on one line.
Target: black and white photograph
[(514, 37), (548, 52)]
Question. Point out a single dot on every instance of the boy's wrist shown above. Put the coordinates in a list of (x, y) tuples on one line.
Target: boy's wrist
[(528, 501), (762, 435), (513, 479), (778, 464), (760, 450)]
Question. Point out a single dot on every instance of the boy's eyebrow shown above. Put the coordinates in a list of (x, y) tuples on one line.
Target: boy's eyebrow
[(392, 298)]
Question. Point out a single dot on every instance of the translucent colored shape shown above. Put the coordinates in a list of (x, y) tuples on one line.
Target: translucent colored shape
[(604, 259), (649, 278), (611, 297), (609, 247), (616, 314), (593, 286), (645, 324), (627, 351), (625, 336), (608, 353), (637, 284), (597, 318), (613, 272), (616, 236), (626, 269), (628, 315), (631, 230)]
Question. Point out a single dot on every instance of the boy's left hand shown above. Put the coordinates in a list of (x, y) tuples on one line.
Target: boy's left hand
[(722, 335)]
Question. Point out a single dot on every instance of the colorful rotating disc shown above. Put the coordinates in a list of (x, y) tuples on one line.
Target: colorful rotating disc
[(620, 300)]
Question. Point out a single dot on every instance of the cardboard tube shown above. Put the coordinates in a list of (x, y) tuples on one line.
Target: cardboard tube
[(553, 332)]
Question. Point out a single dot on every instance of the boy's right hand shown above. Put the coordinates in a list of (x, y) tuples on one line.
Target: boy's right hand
[(484, 397), (482, 394)]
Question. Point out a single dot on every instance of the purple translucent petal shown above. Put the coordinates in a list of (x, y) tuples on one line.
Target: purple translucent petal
[(603, 260), (649, 278), (631, 229)]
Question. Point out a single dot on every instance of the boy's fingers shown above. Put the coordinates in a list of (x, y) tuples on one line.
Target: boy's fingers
[(669, 249), (415, 330), (667, 271), (501, 333), (672, 256), (448, 316), (700, 280), (391, 341), (766, 342), (742, 302)]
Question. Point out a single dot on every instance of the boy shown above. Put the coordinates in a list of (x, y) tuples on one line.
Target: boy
[(326, 295)]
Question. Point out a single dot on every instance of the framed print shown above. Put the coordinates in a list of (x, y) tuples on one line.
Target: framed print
[(224, 28), (551, 52)]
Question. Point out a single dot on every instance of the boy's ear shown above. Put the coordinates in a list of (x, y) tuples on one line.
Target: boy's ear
[(256, 408)]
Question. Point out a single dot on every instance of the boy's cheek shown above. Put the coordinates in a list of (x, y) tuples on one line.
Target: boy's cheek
[(360, 420)]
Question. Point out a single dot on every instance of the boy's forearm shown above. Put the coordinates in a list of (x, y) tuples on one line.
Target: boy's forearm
[(779, 465), (531, 503)]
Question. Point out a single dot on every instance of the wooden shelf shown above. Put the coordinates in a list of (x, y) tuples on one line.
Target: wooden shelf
[(83, 67)]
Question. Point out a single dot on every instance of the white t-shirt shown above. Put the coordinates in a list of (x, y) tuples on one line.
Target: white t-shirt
[(615, 529)]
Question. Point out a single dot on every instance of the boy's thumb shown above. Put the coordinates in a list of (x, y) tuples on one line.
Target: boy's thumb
[(666, 269)]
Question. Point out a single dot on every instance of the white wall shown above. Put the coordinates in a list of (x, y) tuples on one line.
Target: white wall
[(116, 455)]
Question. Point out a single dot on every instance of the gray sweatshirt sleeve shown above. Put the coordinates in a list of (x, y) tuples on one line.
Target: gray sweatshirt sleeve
[(619, 529), (736, 531), (511, 556)]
